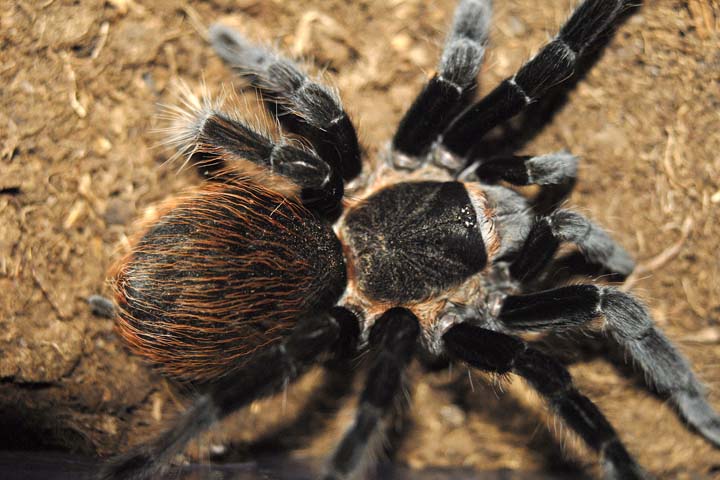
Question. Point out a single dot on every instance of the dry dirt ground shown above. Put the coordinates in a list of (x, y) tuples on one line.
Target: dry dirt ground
[(81, 83)]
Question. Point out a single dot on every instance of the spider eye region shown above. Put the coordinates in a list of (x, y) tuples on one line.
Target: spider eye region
[(413, 240)]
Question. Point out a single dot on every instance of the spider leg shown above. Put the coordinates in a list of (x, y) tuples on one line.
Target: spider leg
[(450, 89), (302, 106), (266, 373), (550, 169), (392, 340), (217, 140), (549, 231), (500, 353), (554, 64), (628, 322), (555, 173)]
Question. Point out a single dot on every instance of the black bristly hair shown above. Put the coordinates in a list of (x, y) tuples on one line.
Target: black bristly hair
[(552, 65), (302, 106), (452, 87), (220, 141), (263, 270)]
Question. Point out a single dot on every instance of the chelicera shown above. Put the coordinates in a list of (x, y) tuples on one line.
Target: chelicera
[(266, 268)]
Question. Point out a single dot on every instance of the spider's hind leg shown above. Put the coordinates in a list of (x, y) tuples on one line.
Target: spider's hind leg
[(301, 105), (392, 341), (267, 373), (500, 353), (449, 90), (627, 322)]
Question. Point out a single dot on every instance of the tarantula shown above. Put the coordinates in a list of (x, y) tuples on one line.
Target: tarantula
[(265, 269)]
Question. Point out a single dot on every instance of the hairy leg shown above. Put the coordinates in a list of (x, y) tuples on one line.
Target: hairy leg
[(549, 169), (555, 173), (628, 322), (303, 106), (450, 89), (500, 353), (554, 64), (550, 231), (213, 140), (392, 341)]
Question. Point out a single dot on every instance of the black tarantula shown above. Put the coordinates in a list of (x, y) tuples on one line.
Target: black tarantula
[(264, 270)]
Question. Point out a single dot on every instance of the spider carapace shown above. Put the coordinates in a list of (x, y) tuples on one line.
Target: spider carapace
[(266, 268)]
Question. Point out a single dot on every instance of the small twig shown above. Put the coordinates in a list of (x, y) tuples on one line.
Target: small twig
[(46, 293), (661, 259), (104, 29), (708, 335), (75, 212), (667, 162), (55, 347), (689, 296), (9, 66), (196, 22), (303, 32), (74, 102)]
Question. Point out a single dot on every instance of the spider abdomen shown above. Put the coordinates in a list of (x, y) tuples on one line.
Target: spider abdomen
[(412, 240), (228, 270)]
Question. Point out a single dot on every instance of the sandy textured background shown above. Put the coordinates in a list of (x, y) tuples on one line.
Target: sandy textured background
[(81, 82)]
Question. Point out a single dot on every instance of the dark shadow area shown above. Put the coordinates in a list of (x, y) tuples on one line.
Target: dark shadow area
[(573, 266), (319, 408), (54, 466), (24, 428), (511, 416)]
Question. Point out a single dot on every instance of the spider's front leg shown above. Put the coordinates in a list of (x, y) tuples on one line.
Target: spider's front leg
[(554, 64), (264, 374), (447, 91), (218, 145), (301, 105), (499, 353)]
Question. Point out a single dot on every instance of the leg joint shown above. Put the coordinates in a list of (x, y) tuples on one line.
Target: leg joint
[(625, 316)]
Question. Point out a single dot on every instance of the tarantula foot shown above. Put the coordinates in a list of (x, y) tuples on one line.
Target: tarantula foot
[(700, 415), (619, 465), (101, 307), (711, 432), (620, 262), (135, 465), (624, 472)]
